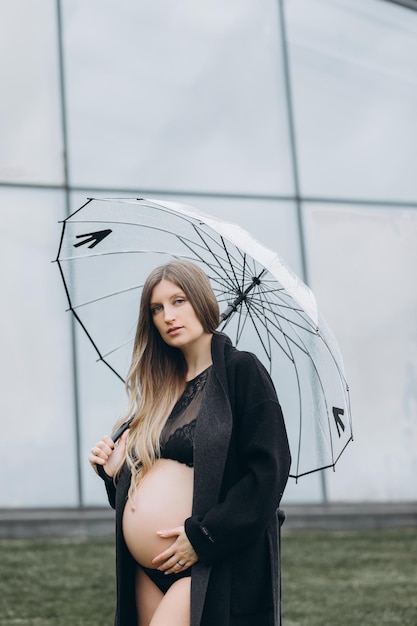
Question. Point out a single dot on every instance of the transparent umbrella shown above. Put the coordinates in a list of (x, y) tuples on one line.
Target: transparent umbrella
[(109, 246)]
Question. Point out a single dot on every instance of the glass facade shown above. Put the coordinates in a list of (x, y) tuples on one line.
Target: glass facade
[(353, 73), (294, 118), (171, 96), (363, 264), (32, 145), (38, 443)]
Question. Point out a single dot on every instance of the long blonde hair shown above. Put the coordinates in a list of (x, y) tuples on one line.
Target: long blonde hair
[(156, 376)]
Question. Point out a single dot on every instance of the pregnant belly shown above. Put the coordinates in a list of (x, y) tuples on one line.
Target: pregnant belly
[(162, 501)]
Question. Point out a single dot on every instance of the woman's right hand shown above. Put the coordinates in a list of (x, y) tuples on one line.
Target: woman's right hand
[(108, 454)]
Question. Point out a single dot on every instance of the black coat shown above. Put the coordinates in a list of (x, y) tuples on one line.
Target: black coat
[(241, 466)]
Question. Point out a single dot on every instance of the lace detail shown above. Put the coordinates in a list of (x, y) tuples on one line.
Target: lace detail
[(180, 445), (191, 390), (177, 437)]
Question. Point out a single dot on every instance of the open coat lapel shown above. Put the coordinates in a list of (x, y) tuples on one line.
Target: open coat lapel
[(212, 438)]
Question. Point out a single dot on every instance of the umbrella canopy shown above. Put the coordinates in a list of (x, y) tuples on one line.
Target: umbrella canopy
[(109, 246)]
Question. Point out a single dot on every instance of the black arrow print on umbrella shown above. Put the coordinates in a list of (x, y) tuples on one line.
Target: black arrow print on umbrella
[(336, 414), (94, 237)]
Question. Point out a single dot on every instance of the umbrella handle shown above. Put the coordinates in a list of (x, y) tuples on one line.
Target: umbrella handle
[(256, 280), (119, 432)]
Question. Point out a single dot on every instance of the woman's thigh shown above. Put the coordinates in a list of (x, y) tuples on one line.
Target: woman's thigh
[(148, 598), (174, 608)]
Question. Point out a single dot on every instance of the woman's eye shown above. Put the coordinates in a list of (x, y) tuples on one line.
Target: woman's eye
[(179, 300), (155, 309)]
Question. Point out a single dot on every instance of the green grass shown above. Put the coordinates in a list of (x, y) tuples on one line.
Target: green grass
[(57, 582), (329, 578), (350, 578)]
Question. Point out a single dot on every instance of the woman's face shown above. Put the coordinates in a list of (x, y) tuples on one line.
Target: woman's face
[(174, 316)]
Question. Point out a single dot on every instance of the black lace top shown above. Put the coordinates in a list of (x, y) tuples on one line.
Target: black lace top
[(177, 436)]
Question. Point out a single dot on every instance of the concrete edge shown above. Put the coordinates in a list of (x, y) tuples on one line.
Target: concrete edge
[(99, 521)]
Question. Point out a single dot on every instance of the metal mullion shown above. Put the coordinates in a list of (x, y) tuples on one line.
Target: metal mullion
[(66, 188), (294, 161), (375, 202)]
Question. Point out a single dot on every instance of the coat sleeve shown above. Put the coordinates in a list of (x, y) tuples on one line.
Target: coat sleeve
[(109, 484), (264, 463)]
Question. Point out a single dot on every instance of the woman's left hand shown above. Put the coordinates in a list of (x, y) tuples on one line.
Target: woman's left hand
[(179, 556)]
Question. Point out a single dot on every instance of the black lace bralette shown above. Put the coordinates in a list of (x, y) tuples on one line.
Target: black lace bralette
[(177, 438)]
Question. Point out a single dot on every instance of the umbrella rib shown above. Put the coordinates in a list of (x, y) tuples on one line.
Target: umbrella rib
[(230, 263), (282, 333), (312, 329), (244, 267), (319, 379), (342, 378), (341, 373), (232, 260), (189, 243), (150, 227), (292, 322), (268, 354), (210, 265), (262, 316), (135, 251), (82, 324), (220, 279), (94, 345), (219, 261), (122, 345), (241, 326), (109, 295), (228, 258), (216, 242), (112, 253), (222, 300), (281, 304), (283, 296), (292, 358), (275, 322), (239, 287), (184, 241), (320, 382), (149, 205), (268, 333)]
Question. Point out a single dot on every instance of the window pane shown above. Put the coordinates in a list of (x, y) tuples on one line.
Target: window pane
[(31, 149), (36, 390), (363, 270), (177, 95), (354, 69)]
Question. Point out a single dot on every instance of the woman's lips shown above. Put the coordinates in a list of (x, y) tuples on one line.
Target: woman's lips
[(175, 330)]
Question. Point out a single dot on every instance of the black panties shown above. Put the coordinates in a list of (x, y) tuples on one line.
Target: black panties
[(164, 581)]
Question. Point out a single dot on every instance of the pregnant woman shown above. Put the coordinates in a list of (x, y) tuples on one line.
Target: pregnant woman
[(197, 478)]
